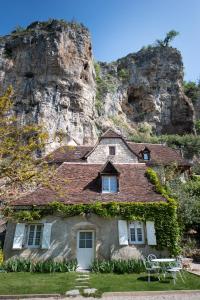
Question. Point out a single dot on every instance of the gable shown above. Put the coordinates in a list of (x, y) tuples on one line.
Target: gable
[(123, 154)]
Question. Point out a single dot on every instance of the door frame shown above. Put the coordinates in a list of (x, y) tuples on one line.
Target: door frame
[(93, 241)]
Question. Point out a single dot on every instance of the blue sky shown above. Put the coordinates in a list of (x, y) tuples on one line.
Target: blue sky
[(118, 27)]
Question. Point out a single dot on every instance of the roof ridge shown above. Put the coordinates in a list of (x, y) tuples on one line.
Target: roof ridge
[(148, 143), (86, 163)]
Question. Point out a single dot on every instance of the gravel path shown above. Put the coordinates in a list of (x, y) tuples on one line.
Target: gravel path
[(178, 295)]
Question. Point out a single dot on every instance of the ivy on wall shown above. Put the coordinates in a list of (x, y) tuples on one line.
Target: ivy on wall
[(162, 213)]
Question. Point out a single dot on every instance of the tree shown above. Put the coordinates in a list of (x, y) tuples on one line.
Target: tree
[(20, 168), (192, 90), (168, 38)]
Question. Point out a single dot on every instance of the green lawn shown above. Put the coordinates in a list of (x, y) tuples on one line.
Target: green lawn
[(138, 282), (36, 283)]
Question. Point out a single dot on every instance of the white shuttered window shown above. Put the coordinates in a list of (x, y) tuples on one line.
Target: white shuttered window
[(123, 232), (136, 232), (19, 236), (46, 237), (34, 235), (151, 234)]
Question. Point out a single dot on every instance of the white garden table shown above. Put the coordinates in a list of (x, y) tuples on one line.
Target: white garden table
[(163, 262)]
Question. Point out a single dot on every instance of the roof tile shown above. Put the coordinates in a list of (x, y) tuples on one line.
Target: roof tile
[(80, 183)]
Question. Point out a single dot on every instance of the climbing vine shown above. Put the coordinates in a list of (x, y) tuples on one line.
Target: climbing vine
[(162, 213)]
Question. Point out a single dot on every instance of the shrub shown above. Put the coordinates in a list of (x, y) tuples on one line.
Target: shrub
[(1, 257), (192, 90), (48, 266), (118, 266), (123, 74)]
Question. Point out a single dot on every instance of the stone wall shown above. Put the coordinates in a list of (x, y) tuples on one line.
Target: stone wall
[(122, 155), (64, 240)]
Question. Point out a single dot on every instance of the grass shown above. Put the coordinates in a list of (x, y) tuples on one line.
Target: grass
[(36, 283), (138, 282), (59, 283)]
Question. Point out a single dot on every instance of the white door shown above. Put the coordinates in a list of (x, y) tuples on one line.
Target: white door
[(85, 249)]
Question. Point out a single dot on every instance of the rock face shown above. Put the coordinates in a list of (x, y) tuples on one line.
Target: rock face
[(147, 88), (50, 67)]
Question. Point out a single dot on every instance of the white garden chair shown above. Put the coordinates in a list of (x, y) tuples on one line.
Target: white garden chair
[(151, 268), (176, 268)]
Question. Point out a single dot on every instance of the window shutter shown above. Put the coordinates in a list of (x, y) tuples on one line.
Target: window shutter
[(19, 236), (46, 236), (151, 234), (123, 232)]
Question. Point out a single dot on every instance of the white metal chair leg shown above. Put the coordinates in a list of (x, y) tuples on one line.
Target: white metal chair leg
[(149, 277)]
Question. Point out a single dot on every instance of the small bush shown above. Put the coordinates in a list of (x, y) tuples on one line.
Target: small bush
[(48, 266), (124, 74), (1, 257), (118, 266)]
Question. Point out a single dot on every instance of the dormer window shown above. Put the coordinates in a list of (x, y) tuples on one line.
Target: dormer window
[(111, 150), (146, 154), (109, 184)]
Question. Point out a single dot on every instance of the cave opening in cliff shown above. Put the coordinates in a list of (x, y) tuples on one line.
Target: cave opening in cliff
[(29, 75), (134, 102)]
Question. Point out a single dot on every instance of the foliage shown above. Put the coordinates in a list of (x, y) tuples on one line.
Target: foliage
[(104, 84), (20, 169), (168, 38), (18, 29), (188, 197), (192, 90), (188, 247), (196, 256), (118, 266), (1, 257), (47, 25), (197, 126), (145, 128), (48, 266), (123, 74)]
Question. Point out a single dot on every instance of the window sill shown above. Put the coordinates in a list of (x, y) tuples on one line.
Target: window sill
[(138, 244), (109, 192)]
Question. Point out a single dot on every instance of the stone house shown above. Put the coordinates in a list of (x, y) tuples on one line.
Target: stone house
[(110, 175)]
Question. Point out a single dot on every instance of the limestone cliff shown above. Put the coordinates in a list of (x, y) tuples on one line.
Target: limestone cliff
[(146, 87), (50, 66)]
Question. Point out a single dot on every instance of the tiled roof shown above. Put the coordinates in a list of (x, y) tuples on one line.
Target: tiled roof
[(80, 183), (68, 154), (159, 153), (110, 134)]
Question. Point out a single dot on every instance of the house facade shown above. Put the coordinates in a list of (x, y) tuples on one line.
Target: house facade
[(105, 207)]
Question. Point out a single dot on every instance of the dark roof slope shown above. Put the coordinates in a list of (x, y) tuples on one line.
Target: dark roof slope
[(68, 154), (80, 183), (160, 154), (110, 134)]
